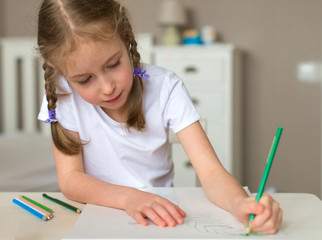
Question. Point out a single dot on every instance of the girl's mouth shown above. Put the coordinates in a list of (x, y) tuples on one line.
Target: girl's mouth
[(114, 99)]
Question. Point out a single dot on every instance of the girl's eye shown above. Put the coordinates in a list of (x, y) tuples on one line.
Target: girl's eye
[(114, 65), (85, 81)]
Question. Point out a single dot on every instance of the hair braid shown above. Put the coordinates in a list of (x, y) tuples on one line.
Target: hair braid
[(136, 116), (50, 86), (61, 138)]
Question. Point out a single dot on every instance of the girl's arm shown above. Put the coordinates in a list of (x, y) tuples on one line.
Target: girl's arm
[(221, 187), (75, 184)]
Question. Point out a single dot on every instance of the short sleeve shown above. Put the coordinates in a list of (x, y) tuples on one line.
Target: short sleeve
[(179, 111), (43, 114)]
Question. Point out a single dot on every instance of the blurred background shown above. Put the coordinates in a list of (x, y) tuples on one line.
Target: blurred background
[(280, 45)]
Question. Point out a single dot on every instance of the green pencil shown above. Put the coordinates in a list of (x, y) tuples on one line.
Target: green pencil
[(75, 209), (266, 172), (37, 204)]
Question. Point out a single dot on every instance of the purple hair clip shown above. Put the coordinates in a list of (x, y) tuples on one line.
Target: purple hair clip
[(138, 72), (52, 117)]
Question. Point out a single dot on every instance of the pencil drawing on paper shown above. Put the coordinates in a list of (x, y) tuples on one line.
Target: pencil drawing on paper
[(208, 224)]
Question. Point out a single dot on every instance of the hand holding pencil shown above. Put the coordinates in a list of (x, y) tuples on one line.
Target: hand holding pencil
[(264, 207), (269, 208), (267, 211)]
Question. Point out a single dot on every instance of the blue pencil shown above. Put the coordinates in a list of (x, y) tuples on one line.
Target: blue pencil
[(30, 209)]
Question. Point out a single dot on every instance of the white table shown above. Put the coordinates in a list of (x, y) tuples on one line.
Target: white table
[(302, 217)]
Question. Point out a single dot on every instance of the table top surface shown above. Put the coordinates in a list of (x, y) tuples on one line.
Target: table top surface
[(302, 217)]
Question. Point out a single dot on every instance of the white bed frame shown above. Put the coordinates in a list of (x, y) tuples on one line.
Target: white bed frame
[(26, 158), (21, 71)]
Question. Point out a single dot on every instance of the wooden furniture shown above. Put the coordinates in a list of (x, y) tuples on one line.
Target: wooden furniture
[(211, 75)]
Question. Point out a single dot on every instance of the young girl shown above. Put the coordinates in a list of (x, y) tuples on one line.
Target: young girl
[(110, 116)]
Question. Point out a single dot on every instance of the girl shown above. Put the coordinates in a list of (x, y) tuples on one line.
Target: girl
[(110, 116)]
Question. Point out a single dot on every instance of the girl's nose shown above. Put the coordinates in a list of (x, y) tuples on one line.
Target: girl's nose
[(107, 85)]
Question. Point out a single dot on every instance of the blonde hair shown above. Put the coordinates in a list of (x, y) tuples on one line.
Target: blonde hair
[(60, 23)]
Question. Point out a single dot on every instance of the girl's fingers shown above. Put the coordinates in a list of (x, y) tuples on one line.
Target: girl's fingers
[(260, 219), (182, 213), (140, 219), (164, 214), (154, 217), (271, 227), (248, 207), (160, 211), (169, 212), (280, 217), (176, 213), (269, 221)]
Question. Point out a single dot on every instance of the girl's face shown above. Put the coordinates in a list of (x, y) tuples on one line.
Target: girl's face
[(101, 72)]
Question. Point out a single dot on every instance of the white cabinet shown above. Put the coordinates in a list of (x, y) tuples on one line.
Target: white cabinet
[(211, 75)]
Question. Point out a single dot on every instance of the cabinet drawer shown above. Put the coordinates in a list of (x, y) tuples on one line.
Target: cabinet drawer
[(208, 98), (218, 136), (184, 173), (209, 106), (196, 69)]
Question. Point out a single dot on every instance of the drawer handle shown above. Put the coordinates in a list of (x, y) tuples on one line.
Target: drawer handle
[(188, 164), (195, 101), (191, 69)]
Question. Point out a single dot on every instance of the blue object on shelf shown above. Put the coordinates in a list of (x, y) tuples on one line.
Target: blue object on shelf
[(192, 40)]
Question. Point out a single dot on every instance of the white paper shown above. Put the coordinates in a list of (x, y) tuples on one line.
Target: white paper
[(204, 220)]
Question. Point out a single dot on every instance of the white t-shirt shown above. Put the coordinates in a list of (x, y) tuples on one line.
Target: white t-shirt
[(136, 159)]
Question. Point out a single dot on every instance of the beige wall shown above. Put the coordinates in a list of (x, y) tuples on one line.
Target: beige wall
[(274, 37), (2, 18), (19, 17)]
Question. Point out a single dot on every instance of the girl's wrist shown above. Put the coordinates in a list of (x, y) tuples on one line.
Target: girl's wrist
[(236, 205), (129, 194)]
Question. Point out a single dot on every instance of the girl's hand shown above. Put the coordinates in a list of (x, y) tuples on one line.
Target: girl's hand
[(268, 214), (159, 210)]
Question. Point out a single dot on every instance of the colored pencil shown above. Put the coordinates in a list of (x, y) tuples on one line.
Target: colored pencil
[(266, 172), (75, 209), (48, 214), (30, 209), (38, 204)]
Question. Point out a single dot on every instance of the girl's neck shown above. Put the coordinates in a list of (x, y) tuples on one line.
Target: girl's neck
[(119, 116)]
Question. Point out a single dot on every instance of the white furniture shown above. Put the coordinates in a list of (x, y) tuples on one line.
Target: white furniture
[(211, 75), (21, 77), (26, 158), (302, 217)]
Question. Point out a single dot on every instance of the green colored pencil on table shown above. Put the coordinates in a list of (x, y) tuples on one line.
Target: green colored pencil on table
[(266, 172), (75, 209), (37, 204)]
